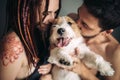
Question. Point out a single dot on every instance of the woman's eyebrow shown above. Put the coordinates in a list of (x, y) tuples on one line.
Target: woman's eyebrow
[(52, 11)]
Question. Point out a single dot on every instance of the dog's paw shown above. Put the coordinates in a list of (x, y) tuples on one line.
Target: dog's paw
[(106, 70), (64, 62), (50, 60)]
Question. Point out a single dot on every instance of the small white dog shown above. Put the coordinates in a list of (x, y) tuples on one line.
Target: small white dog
[(65, 36)]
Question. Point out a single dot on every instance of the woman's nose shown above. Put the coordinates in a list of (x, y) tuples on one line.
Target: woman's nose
[(49, 18)]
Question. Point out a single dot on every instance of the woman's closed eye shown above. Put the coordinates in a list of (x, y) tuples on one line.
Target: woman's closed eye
[(45, 13)]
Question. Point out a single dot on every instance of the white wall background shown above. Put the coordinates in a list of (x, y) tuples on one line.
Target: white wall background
[(69, 6)]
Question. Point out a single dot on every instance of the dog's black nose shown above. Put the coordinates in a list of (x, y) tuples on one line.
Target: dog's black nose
[(61, 31)]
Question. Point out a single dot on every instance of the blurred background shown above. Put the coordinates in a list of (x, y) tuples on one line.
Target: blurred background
[(68, 6)]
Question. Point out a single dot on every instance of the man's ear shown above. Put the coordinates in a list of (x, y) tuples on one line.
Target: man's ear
[(107, 31)]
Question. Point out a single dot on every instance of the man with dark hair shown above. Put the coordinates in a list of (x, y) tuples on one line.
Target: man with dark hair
[(97, 20)]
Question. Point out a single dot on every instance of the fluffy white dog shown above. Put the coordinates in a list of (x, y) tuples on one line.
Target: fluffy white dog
[(65, 36)]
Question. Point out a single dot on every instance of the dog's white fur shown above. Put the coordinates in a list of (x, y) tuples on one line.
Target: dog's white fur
[(60, 54)]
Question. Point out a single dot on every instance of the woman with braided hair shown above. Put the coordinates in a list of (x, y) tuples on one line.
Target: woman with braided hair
[(22, 56)]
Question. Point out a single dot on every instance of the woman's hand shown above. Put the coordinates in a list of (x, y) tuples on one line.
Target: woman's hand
[(45, 69), (46, 77)]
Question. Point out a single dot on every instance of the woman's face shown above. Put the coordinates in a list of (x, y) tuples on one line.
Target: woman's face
[(49, 15)]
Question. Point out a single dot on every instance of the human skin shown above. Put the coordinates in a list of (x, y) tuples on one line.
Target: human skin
[(101, 42), (52, 8), (13, 59)]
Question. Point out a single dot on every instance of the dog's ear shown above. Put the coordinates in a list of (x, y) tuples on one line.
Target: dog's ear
[(57, 21), (69, 19), (74, 16), (74, 26)]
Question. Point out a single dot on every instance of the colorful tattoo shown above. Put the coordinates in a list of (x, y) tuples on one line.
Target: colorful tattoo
[(11, 48)]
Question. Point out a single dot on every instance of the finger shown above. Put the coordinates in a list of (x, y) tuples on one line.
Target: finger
[(42, 67), (76, 58), (77, 51), (46, 66), (43, 71), (110, 38)]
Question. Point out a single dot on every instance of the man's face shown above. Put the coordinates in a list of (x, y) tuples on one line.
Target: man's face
[(87, 23)]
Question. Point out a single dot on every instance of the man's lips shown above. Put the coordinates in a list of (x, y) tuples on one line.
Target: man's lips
[(63, 41)]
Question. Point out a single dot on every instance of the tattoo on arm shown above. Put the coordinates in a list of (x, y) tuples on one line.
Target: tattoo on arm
[(11, 48)]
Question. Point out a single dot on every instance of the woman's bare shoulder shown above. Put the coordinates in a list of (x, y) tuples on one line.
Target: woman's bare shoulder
[(10, 48)]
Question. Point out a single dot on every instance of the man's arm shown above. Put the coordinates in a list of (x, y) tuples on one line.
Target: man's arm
[(115, 64)]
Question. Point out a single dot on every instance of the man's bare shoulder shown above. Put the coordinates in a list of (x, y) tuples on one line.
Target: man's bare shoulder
[(10, 48), (117, 51), (118, 47), (115, 60)]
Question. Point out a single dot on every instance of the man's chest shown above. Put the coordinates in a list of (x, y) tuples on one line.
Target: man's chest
[(101, 49)]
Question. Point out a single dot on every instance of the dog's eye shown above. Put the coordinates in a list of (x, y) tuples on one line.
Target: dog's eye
[(70, 23)]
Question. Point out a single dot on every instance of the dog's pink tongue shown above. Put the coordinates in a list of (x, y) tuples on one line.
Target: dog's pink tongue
[(62, 42)]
